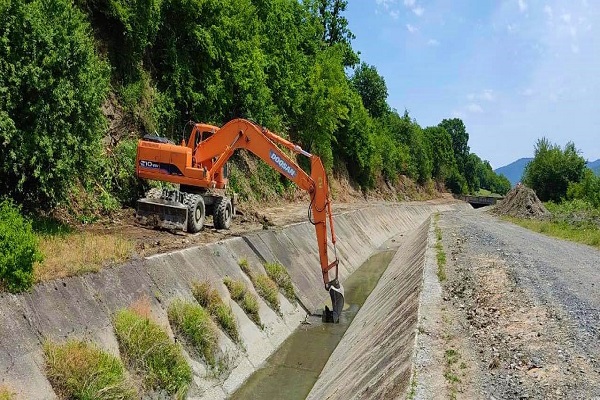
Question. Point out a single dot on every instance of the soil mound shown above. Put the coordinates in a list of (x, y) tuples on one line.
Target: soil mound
[(522, 202)]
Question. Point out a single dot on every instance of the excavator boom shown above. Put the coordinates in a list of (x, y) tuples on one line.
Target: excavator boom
[(200, 166)]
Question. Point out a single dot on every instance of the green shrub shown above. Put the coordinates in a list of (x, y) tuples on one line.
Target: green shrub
[(248, 301), (194, 324), (79, 370), (209, 298), (118, 173), (52, 87), (268, 290), (18, 249), (149, 350), (279, 274)]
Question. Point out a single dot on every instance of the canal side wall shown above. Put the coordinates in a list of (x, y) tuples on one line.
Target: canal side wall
[(374, 358), (82, 307)]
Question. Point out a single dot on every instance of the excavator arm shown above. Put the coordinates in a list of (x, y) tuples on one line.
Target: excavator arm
[(243, 134)]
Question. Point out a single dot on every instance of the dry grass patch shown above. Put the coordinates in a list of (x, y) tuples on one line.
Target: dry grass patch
[(80, 370), (78, 253), (193, 323), (150, 352), (209, 298), (247, 300), (281, 277)]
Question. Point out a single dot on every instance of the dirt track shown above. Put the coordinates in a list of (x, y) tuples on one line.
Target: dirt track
[(522, 310)]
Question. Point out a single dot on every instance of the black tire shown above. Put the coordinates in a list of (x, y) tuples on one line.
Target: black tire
[(223, 213), (196, 212)]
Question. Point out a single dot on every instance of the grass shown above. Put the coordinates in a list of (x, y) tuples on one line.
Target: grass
[(209, 298), (440, 254), (281, 277), (80, 370), (265, 286), (576, 232), (150, 352), (74, 253), (247, 300), (452, 357), (413, 387), (193, 323), (268, 290), (6, 393)]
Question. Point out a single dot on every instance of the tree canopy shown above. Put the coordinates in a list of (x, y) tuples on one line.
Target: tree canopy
[(552, 169)]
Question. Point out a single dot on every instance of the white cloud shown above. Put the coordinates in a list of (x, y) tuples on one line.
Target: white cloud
[(414, 7), (433, 42), (511, 28), (474, 108), (548, 11), (575, 48), (522, 6), (566, 17), (394, 14), (484, 95), (411, 28)]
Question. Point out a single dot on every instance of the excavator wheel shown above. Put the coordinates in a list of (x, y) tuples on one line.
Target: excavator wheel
[(223, 213), (196, 212)]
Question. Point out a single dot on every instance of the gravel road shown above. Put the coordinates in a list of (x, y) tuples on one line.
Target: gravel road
[(526, 307)]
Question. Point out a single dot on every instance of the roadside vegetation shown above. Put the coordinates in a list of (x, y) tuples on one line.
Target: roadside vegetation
[(569, 190), (247, 300), (80, 370), (150, 352), (194, 324), (209, 298), (439, 250)]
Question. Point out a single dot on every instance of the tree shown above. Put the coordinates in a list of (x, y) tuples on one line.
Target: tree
[(552, 169), (460, 139), (372, 89), (335, 27), (52, 86), (441, 152)]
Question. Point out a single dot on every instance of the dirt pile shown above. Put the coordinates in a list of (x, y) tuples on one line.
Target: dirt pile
[(522, 202)]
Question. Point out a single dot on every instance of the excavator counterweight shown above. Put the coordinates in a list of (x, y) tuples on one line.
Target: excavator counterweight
[(199, 167)]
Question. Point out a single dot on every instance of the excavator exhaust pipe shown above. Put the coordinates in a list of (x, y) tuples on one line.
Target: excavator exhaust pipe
[(336, 292)]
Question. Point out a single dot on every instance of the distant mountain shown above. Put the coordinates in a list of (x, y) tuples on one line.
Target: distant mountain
[(514, 170), (595, 166)]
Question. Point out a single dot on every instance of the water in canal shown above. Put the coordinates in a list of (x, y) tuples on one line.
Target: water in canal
[(293, 369)]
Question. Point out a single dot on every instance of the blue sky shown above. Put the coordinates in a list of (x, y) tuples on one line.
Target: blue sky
[(513, 70)]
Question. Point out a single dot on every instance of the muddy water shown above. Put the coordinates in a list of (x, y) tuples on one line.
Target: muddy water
[(293, 369)]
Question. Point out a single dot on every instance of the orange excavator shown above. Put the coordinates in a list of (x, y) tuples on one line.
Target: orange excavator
[(200, 167)]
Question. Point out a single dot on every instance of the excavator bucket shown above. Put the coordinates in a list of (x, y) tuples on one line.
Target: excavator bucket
[(336, 292), (161, 213)]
